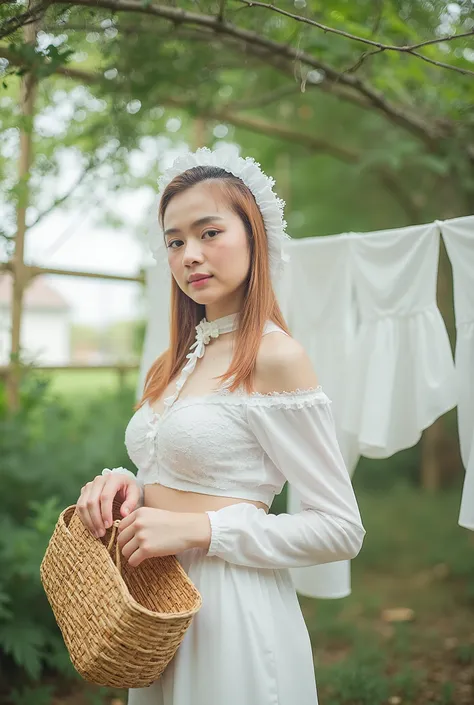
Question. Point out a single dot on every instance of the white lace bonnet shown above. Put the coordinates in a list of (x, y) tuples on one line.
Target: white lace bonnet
[(261, 186)]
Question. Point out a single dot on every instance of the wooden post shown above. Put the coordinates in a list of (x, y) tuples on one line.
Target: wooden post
[(19, 273)]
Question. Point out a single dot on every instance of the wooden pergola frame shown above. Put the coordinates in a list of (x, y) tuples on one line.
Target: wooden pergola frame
[(22, 274)]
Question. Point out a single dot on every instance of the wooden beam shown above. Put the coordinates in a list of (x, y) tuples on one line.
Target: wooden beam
[(35, 271)]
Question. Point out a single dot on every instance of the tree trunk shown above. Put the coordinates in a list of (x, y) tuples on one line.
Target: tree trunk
[(440, 459), (19, 273)]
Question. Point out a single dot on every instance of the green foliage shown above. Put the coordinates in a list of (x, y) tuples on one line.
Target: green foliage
[(40, 695), (407, 682), (434, 544), (48, 450), (447, 694), (398, 156), (410, 558)]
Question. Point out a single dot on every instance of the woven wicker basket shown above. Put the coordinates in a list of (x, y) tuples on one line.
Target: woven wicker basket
[(121, 625)]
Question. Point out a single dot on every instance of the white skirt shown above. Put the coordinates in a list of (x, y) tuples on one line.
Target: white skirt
[(248, 644)]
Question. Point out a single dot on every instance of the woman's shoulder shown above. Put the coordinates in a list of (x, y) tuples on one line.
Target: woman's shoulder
[(282, 364)]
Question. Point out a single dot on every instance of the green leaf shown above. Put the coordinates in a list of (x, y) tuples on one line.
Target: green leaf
[(5, 613), (24, 642)]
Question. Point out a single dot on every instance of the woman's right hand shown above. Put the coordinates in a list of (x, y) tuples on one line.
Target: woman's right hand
[(94, 506)]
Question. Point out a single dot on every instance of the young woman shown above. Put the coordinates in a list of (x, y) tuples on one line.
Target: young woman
[(230, 411)]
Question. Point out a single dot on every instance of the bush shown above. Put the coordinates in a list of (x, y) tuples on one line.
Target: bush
[(47, 452)]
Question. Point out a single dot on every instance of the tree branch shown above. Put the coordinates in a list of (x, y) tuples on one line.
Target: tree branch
[(411, 121), (69, 72), (280, 64), (407, 49), (11, 25), (226, 114), (265, 99), (59, 201), (440, 64)]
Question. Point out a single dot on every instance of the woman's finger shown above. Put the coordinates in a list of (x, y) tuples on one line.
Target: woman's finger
[(112, 485), (137, 557), (82, 507), (93, 505), (130, 548), (126, 535), (132, 497)]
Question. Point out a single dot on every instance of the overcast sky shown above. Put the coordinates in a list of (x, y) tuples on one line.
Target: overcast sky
[(71, 240)]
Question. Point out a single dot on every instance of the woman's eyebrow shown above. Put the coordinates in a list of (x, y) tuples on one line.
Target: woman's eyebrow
[(196, 224)]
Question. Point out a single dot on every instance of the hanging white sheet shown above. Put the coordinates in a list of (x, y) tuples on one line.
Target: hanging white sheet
[(402, 368), (458, 235), (322, 317), (158, 288), (364, 307)]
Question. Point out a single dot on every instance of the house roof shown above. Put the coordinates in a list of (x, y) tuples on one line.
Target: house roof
[(39, 294)]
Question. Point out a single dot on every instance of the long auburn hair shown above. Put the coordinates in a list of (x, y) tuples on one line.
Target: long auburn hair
[(260, 303)]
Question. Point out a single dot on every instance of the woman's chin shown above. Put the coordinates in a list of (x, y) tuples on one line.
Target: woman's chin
[(203, 297)]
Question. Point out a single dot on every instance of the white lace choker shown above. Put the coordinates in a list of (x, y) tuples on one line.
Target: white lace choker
[(205, 331)]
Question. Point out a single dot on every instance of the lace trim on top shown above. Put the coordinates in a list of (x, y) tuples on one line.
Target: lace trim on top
[(295, 399)]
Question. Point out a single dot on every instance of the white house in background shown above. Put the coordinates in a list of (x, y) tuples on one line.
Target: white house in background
[(46, 323)]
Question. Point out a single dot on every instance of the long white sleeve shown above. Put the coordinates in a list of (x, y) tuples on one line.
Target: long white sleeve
[(124, 471), (302, 444)]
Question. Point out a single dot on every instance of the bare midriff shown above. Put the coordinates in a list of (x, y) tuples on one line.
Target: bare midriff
[(161, 497)]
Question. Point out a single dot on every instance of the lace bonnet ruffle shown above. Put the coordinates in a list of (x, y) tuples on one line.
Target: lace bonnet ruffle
[(261, 186)]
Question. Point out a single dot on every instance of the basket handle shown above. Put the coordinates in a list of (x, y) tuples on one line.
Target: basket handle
[(115, 526)]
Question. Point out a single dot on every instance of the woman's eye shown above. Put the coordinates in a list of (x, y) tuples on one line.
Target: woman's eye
[(179, 242)]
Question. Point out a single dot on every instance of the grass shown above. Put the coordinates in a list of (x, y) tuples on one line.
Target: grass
[(415, 556), (80, 386)]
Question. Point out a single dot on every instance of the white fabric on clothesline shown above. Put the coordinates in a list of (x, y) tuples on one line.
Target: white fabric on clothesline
[(158, 288), (458, 235), (322, 317), (403, 375), (364, 307)]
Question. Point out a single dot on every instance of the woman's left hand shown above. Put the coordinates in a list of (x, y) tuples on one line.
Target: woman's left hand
[(149, 532)]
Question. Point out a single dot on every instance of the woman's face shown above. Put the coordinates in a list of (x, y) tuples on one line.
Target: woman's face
[(203, 236)]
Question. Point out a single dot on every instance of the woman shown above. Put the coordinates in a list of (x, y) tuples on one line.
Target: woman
[(211, 457)]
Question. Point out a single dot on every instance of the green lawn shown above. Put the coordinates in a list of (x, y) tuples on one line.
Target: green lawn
[(415, 556), (77, 386)]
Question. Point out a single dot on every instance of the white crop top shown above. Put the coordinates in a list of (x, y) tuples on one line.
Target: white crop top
[(242, 445), (210, 444)]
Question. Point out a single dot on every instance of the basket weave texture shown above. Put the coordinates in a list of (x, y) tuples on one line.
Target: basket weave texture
[(121, 625)]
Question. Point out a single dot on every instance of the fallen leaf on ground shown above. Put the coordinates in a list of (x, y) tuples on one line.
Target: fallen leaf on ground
[(398, 614)]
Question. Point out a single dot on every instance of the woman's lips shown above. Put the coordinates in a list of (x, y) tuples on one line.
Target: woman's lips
[(200, 282)]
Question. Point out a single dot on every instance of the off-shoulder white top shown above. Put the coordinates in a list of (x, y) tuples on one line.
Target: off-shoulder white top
[(246, 446)]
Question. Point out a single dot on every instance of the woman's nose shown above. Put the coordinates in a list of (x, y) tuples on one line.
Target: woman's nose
[(192, 252)]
